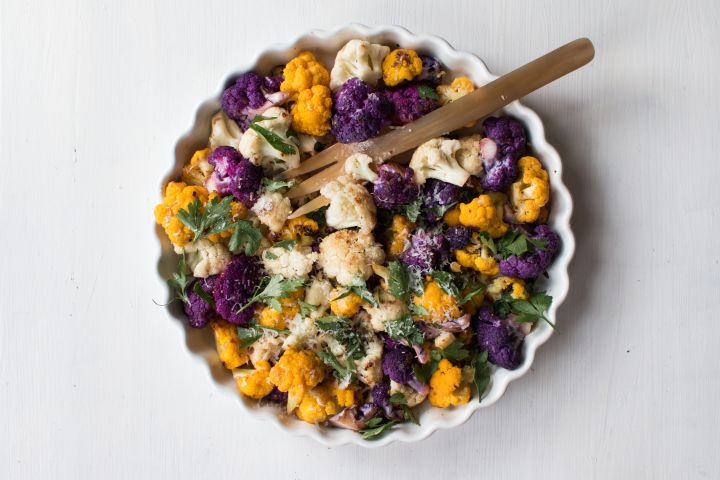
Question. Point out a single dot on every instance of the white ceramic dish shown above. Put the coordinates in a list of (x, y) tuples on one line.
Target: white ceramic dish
[(324, 44)]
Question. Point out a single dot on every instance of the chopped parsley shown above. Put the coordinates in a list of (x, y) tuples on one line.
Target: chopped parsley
[(214, 218), (275, 140), (426, 92), (399, 281), (376, 427), (273, 288), (481, 374), (179, 282), (246, 236), (273, 185), (404, 329)]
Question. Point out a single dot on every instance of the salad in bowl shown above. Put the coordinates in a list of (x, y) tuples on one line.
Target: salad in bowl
[(409, 292)]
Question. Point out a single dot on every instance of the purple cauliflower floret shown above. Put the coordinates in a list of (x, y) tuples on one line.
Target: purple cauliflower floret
[(410, 102), (425, 251), (199, 312), (276, 396), (437, 193), (432, 71), (234, 175), (498, 339), (534, 263), (504, 143), (394, 186), (235, 286), (380, 395), (359, 112), (250, 95), (458, 236), (398, 363)]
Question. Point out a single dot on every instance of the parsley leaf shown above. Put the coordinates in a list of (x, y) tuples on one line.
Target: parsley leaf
[(343, 332), (446, 280), (375, 427), (286, 244), (404, 329), (501, 306), (270, 256), (412, 209), (481, 375), (359, 288), (408, 415), (399, 281), (474, 290), (252, 333), (418, 310), (273, 185), (530, 311), (417, 281), (487, 241), (197, 288), (342, 372), (275, 140), (179, 282), (272, 288), (424, 372), (318, 216), (455, 352), (427, 92), (245, 235), (306, 308), (214, 218), (516, 242)]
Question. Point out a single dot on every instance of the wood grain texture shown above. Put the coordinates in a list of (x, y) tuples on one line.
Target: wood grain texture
[(95, 381)]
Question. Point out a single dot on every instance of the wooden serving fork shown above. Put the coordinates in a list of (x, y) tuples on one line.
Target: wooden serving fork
[(473, 106)]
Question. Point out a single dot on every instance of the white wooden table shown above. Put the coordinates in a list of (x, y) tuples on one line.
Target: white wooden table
[(94, 381)]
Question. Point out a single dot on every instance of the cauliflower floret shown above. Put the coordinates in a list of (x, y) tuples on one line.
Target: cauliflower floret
[(312, 110), (227, 344), (468, 156), (296, 372), (225, 132), (448, 386), (269, 317), (351, 205), (272, 209), (498, 286), (358, 59), (531, 192), (297, 262), (266, 348), (401, 65), (254, 383), (412, 396), (399, 235), (458, 88), (198, 169), (303, 332), (259, 151), (440, 305), (369, 367), (486, 213), (346, 254), (300, 229), (205, 258), (390, 309), (318, 293), (444, 340), (318, 404), (347, 306), (436, 159), (478, 259), (301, 73), (359, 167), (177, 197)]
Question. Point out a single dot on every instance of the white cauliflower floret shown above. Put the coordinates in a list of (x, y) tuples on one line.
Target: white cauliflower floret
[(358, 166), (369, 367), (351, 205), (468, 156), (390, 308), (259, 151), (318, 293), (436, 159), (347, 254), (358, 59), (272, 209), (266, 348), (205, 258), (225, 132), (411, 395), (303, 333), (444, 340), (293, 263), (307, 143)]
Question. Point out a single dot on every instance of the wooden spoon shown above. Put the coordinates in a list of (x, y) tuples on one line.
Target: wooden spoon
[(480, 103)]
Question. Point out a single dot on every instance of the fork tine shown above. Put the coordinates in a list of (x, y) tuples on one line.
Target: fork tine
[(315, 183), (334, 153), (312, 205)]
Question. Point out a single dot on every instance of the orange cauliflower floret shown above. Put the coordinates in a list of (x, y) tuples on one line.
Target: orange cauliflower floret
[(399, 235), (311, 112), (478, 260), (346, 306), (447, 386), (254, 383), (531, 192), (317, 405), (486, 213), (345, 396), (269, 317), (227, 344), (440, 306), (197, 170), (502, 284), (299, 229), (303, 72), (178, 195), (401, 65), (452, 217), (459, 87), (296, 372)]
